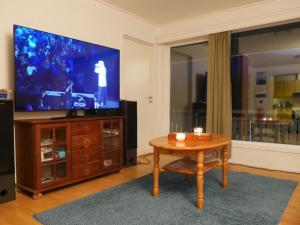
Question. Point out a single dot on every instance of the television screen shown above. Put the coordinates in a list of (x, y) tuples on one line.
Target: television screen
[(53, 72)]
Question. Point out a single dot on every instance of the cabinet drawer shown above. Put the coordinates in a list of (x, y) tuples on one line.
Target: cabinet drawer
[(86, 127), (86, 170), (81, 157), (86, 142)]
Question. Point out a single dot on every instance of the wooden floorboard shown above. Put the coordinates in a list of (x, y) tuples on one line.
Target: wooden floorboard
[(21, 210)]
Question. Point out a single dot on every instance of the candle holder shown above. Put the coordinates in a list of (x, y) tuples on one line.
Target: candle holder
[(180, 136), (198, 130)]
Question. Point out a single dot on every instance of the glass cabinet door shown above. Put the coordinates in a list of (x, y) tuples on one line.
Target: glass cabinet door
[(47, 147), (54, 154), (111, 143)]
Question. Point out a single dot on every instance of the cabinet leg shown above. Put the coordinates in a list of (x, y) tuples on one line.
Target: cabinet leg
[(37, 196), (122, 170), (20, 190)]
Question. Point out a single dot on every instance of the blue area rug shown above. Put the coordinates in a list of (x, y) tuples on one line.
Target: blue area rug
[(248, 200)]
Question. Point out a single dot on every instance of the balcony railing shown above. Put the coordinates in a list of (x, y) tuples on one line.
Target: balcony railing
[(248, 128), (245, 127), (186, 120)]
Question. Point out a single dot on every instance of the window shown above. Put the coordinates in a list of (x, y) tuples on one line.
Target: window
[(265, 70), (188, 86)]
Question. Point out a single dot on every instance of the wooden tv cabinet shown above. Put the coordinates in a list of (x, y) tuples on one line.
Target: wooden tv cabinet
[(54, 153)]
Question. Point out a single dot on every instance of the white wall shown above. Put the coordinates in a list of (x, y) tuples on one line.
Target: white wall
[(138, 70), (86, 20), (266, 155), (280, 69)]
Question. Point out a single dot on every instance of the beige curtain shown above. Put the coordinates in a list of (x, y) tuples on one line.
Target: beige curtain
[(219, 106)]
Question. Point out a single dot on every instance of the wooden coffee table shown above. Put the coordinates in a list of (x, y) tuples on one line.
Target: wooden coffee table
[(191, 148)]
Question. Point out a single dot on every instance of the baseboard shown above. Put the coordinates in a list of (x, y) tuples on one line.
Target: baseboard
[(266, 155), (145, 154), (259, 166)]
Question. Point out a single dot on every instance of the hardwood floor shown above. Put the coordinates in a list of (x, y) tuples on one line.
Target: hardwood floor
[(21, 211)]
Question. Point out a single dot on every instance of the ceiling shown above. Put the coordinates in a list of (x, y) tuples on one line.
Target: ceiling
[(272, 49), (274, 58), (166, 11), (197, 51)]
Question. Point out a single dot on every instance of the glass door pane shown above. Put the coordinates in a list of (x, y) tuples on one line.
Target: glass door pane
[(106, 146), (47, 137), (116, 142), (106, 129), (54, 154), (60, 135), (107, 136), (47, 153), (111, 159), (60, 152), (116, 128), (47, 145), (111, 143), (61, 170), (47, 174), (265, 71), (188, 87)]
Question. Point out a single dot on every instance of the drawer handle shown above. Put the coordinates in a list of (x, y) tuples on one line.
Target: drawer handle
[(86, 172), (86, 128), (86, 142), (107, 162)]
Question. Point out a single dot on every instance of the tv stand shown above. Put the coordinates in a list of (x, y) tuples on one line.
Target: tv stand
[(52, 154), (58, 118), (72, 113), (66, 118)]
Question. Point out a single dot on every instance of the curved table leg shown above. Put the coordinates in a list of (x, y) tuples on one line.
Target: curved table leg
[(156, 171), (200, 179), (224, 167)]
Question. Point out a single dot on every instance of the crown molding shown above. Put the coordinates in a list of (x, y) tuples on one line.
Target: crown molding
[(250, 15), (125, 12)]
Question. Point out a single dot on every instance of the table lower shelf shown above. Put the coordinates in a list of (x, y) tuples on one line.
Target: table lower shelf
[(189, 165)]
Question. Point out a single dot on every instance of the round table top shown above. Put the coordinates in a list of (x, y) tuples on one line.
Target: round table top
[(215, 142)]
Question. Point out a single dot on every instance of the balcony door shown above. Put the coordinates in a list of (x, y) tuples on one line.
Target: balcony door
[(188, 87)]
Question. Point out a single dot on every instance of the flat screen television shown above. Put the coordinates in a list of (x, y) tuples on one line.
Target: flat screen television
[(54, 72)]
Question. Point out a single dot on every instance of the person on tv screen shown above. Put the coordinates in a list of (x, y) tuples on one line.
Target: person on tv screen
[(69, 97), (100, 69)]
